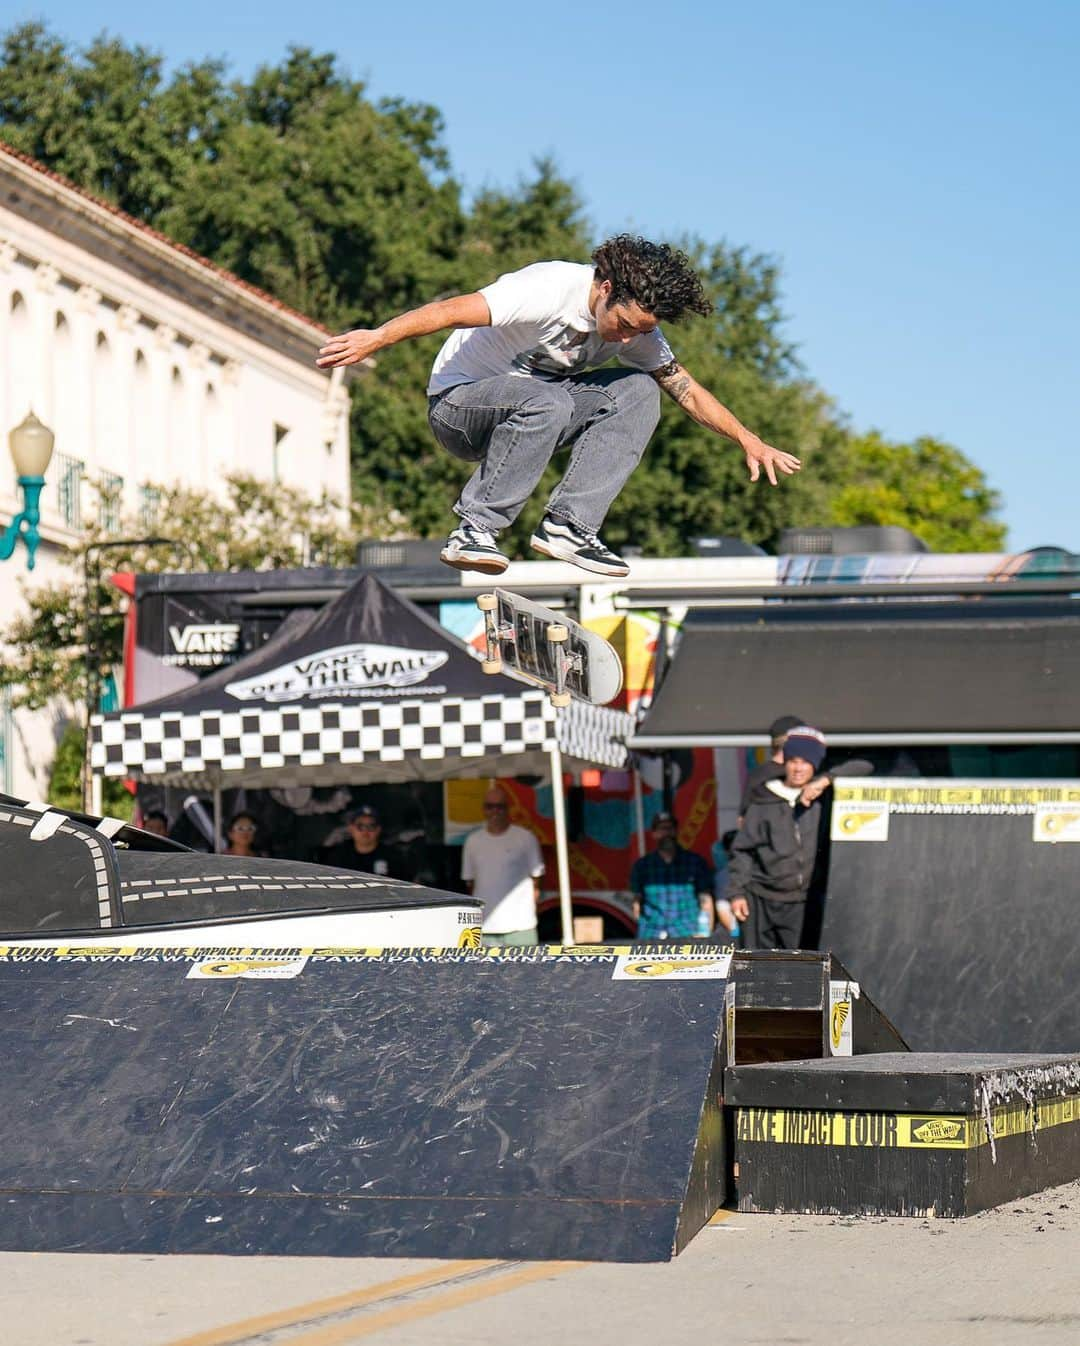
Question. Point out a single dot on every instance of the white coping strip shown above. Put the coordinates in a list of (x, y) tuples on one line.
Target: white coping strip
[(47, 826)]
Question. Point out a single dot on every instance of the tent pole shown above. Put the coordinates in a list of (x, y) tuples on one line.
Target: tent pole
[(562, 855), (639, 813), (217, 817)]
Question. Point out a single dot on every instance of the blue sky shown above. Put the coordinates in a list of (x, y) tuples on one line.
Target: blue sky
[(913, 166)]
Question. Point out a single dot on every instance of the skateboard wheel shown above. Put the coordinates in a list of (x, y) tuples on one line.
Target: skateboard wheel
[(487, 602), (560, 699), (491, 665), (557, 634)]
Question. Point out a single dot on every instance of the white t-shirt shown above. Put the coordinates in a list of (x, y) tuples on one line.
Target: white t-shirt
[(501, 869), (540, 324)]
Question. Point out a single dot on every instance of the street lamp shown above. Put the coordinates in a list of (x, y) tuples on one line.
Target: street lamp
[(31, 445)]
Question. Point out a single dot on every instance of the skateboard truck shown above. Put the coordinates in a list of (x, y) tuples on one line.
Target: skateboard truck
[(496, 632), (565, 661)]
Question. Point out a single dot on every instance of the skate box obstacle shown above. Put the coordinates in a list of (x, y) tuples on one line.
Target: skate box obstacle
[(903, 1134)]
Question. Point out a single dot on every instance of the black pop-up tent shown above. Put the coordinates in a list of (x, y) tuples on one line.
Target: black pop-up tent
[(369, 689)]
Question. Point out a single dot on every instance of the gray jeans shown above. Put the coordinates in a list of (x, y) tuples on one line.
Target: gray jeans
[(511, 425)]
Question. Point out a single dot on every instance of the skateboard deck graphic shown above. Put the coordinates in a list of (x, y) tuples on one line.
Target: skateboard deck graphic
[(549, 649)]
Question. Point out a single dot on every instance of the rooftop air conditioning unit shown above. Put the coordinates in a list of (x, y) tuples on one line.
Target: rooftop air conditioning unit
[(409, 553), (713, 547), (865, 540)]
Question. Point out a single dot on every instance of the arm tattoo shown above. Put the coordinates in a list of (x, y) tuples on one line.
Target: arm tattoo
[(675, 381)]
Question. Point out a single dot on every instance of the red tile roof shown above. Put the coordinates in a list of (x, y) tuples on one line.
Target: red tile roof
[(262, 296)]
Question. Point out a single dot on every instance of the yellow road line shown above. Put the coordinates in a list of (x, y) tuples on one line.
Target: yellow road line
[(320, 1308), (340, 1334)]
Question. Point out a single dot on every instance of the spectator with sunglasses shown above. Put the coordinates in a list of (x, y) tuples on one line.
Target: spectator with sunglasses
[(364, 850), (502, 865), (240, 834)]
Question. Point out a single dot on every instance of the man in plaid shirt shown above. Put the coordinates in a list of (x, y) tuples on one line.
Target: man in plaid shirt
[(671, 886)]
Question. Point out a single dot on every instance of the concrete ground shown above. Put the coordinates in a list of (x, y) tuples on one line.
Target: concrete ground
[(1009, 1276)]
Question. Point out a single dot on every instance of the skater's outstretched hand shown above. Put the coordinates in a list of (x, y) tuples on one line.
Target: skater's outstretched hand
[(461, 310), (701, 406), (349, 348), (761, 455)]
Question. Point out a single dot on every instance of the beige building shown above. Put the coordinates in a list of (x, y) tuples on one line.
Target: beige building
[(151, 365)]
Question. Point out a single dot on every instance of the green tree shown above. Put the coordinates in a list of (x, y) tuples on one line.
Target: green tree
[(338, 206), (105, 117), (295, 181), (927, 486)]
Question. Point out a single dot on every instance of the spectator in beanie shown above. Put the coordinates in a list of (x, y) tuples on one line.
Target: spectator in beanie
[(776, 849), (773, 766)]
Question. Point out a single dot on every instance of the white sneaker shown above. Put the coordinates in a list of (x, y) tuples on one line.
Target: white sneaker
[(472, 548), (565, 542)]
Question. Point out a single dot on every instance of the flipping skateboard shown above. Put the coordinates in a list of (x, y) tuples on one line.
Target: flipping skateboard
[(548, 649)]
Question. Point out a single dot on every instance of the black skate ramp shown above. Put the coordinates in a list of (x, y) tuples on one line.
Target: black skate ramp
[(64, 876), (954, 901), (517, 1104)]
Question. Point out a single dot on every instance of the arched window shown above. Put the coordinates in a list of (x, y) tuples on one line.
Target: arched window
[(103, 393), (146, 462), (21, 386), (57, 403), (182, 461), (142, 418), (214, 456), (67, 419), (110, 448)]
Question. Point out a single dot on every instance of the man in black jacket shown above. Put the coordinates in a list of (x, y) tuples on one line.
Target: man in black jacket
[(772, 767), (775, 852)]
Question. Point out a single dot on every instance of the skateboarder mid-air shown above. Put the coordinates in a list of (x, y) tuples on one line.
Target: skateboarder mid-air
[(517, 379)]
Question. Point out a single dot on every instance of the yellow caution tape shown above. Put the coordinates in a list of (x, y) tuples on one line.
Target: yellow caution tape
[(899, 1130), (954, 796)]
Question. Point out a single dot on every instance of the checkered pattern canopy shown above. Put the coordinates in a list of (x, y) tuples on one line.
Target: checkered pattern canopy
[(308, 708)]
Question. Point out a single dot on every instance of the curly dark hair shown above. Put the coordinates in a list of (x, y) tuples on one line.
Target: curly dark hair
[(656, 276)]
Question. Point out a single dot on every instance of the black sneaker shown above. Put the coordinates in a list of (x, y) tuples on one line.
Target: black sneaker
[(566, 542), (472, 548)]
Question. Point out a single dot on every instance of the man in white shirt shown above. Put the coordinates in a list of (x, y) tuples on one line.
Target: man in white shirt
[(512, 384), (503, 866)]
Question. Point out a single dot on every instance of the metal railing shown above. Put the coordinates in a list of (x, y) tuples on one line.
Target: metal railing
[(111, 506), (68, 474), (150, 498)]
